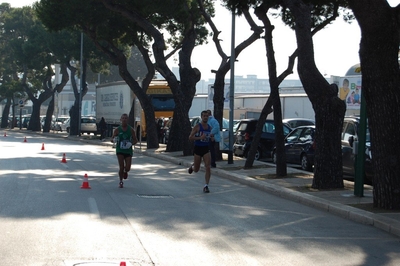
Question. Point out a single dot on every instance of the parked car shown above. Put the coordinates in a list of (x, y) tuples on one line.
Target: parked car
[(245, 133), (300, 147), (65, 125), (25, 121), (56, 124), (349, 136), (195, 120), (225, 133), (43, 120), (88, 125), (297, 122)]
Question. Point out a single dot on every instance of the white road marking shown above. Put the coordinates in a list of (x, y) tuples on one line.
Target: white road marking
[(93, 208)]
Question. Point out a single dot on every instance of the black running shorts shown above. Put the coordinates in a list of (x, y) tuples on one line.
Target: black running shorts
[(201, 150)]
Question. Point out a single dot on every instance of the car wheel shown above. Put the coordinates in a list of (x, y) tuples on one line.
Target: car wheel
[(274, 157), (67, 129), (258, 155), (305, 163)]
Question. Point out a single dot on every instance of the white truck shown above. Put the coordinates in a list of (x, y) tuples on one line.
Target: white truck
[(113, 100), (116, 98)]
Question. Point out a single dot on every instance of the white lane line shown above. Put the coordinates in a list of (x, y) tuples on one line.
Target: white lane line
[(95, 214)]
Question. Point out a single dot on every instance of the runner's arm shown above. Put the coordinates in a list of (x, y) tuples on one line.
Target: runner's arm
[(116, 132), (192, 135)]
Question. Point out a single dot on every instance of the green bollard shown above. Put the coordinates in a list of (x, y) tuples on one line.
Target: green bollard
[(360, 158)]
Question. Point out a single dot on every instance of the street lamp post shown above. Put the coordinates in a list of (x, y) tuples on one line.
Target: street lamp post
[(81, 87), (232, 90)]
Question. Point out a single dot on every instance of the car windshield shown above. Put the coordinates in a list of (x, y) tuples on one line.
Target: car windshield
[(61, 119), (293, 136), (88, 120), (242, 127)]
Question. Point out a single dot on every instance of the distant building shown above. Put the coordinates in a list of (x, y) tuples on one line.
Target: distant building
[(249, 84)]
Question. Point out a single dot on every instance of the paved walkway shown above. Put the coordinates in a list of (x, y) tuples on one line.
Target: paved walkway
[(296, 186)]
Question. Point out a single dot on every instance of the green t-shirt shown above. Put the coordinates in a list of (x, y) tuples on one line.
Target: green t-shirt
[(124, 143)]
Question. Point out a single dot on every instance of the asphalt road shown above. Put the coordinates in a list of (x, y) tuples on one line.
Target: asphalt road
[(160, 217)]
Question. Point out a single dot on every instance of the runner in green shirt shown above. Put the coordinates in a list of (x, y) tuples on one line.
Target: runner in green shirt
[(124, 138)]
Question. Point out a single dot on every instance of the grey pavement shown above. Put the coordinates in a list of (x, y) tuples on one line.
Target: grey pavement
[(296, 186)]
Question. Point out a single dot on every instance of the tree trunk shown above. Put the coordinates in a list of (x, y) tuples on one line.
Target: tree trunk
[(380, 88), (140, 92), (219, 99), (281, 167), (6, 112), (58, 88), (74, 111), (183, 96), (49, 115), (34, 121), (329, 109)]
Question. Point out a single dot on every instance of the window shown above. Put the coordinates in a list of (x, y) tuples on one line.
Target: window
[(242, 127), (294, 136), (162, 103), (269, 128), (306, 135)]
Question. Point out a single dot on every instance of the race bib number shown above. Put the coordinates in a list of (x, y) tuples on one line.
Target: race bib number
[(125, 144), (207, 138)]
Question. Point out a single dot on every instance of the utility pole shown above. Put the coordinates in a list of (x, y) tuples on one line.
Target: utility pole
[(232, 90)]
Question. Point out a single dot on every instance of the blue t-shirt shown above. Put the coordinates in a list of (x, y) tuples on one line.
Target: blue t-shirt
[(206, 140)]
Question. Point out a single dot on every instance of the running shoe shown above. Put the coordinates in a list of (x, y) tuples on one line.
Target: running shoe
[(206, 190), (125, 175), (190, 170), (121, 184)]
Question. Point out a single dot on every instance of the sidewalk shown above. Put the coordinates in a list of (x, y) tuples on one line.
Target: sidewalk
[(296, 186)]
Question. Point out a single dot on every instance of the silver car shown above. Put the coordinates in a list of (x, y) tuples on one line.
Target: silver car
[(88, 125), (56, 124)]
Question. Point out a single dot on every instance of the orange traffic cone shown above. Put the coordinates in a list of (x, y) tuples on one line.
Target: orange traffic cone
[(85, 183), (42, 146), (123, 263), (5, 134), (25, 140), (64, 160)]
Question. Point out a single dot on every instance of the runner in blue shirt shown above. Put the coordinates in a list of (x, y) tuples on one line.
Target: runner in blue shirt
[(201, 134)]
